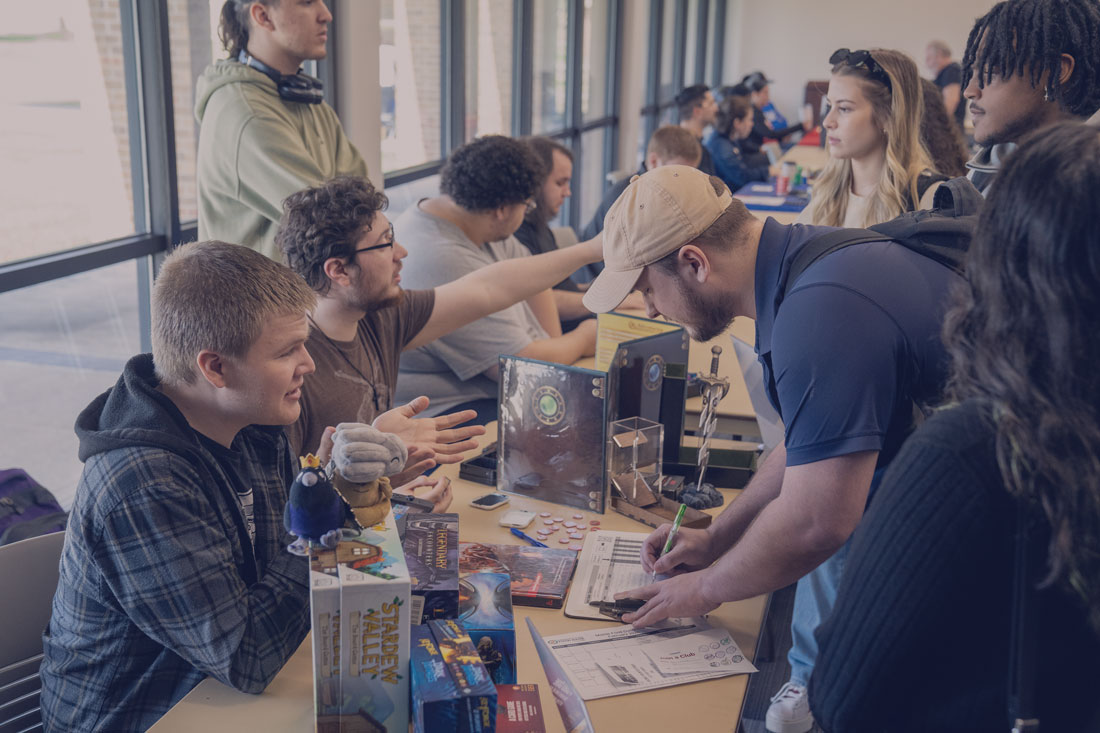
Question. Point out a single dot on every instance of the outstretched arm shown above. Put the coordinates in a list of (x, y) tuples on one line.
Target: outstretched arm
[(500, 285)]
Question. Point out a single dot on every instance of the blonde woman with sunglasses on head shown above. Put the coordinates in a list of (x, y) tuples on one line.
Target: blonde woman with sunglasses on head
[(878, 168)]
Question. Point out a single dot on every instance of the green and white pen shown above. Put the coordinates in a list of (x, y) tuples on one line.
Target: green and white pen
[(671, 534)]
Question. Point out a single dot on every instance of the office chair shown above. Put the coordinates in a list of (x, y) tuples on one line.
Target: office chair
[(28, 575)]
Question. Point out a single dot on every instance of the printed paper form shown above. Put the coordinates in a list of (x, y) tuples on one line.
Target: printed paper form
[(615, 328), (609, 562), (621, 660)]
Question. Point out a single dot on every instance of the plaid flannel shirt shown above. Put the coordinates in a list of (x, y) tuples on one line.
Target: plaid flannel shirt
[(160, 585)]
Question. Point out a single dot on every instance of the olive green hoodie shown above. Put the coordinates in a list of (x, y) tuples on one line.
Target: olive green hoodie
[(256, 149)]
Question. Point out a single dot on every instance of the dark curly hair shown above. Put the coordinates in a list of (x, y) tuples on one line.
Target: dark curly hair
[(1022, 337), (1030, 36), (941, 134), (326, 221), (489, 172)]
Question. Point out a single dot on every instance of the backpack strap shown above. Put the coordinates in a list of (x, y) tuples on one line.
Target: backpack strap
[(824, 244), (925, 181)]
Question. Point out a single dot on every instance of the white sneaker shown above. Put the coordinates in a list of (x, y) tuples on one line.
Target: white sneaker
[(790, 711)]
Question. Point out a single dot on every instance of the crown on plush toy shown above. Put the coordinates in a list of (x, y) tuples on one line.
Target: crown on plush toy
[(309, 461)]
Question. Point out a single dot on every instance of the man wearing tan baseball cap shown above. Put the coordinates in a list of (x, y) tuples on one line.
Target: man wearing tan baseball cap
[(847, 350)]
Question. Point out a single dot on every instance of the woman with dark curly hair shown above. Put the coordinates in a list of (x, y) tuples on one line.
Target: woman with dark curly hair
[(940, 134), (921, 636)]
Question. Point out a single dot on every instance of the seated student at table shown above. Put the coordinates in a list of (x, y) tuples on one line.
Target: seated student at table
[(733, 124), (555, 173), (668, 145), (878, 167), (766, 125), (338, 239), (697, 109), (940, 135), (487, 186), (921, 636), (175, 564)]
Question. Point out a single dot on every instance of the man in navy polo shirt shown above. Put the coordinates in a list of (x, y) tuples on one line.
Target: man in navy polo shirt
[(847, 354)]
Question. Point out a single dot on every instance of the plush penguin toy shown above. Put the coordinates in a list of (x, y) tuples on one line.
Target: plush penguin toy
[(315, 512), (358, 493)]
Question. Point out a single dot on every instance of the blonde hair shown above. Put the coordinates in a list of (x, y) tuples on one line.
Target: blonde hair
[(898, 111), (217, 296)]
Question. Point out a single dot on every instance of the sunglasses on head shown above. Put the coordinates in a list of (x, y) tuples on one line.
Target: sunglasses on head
[(862, 59)]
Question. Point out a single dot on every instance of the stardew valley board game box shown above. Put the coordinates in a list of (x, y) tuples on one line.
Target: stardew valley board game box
[(359, 600)]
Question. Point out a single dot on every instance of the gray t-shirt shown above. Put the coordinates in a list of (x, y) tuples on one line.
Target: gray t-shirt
[(449, 370)]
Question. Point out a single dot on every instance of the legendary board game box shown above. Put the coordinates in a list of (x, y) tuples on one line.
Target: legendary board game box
[(519, 709), (359, 599), (553, 420), (431, 551), (485, 611), (451, 689), (539, 575)]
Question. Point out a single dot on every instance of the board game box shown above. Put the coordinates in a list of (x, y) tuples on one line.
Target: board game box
[(431, 551), (451, 688), (359, 602), (540, 576), (519, 709), (485, 611)]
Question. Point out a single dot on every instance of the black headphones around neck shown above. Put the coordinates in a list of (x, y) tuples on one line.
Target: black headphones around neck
[(300, 87)]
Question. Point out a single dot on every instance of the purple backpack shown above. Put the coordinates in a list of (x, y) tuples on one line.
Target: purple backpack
[(26, 508)]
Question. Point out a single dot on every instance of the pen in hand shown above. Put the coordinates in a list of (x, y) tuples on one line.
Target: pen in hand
[(668, 542)]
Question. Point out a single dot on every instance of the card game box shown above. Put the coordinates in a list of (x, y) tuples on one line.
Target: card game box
[(519, 709), (359, 603), (431, 551), (540, 576), (451, 688), (550, 443), (485, 611)]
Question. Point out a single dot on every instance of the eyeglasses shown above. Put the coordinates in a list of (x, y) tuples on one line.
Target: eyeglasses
[(862, 59), (383, 245), (530, 205)]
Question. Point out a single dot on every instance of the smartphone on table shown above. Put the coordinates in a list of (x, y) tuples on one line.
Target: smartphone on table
[(489, 501)]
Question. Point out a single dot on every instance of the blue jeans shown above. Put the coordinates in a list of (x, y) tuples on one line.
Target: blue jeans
[(814, 598)]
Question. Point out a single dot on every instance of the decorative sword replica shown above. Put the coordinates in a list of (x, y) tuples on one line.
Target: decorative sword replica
[(714, 389)]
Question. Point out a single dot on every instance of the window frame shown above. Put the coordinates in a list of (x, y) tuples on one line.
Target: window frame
[(453, 102), (708, 42)]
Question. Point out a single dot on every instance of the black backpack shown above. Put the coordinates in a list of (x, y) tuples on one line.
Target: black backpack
[(942, 233)]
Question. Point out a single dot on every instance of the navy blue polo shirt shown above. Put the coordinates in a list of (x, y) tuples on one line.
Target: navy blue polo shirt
[(853, 345)]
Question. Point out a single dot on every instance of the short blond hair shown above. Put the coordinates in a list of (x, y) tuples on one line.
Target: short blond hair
[(672, 141), (217, 296)]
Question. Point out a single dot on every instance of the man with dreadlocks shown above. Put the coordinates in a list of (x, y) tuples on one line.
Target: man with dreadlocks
[(1029, 64)]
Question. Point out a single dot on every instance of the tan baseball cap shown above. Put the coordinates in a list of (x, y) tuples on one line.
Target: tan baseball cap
[(659, 212)]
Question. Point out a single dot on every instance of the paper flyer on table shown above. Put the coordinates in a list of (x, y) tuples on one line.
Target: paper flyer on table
[(610, 562), (615, 328), (621, 660)]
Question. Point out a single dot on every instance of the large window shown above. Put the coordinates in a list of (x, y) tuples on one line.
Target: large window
[(64, 137), (488, 67), (519, 67), (685, 48), (63, 342), (88, 135), (410, 76)]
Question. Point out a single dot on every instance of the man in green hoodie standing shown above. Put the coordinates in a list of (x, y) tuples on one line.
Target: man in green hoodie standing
[(265, 130)]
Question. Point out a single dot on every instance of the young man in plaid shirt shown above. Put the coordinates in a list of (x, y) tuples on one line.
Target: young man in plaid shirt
[(175, 564)]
